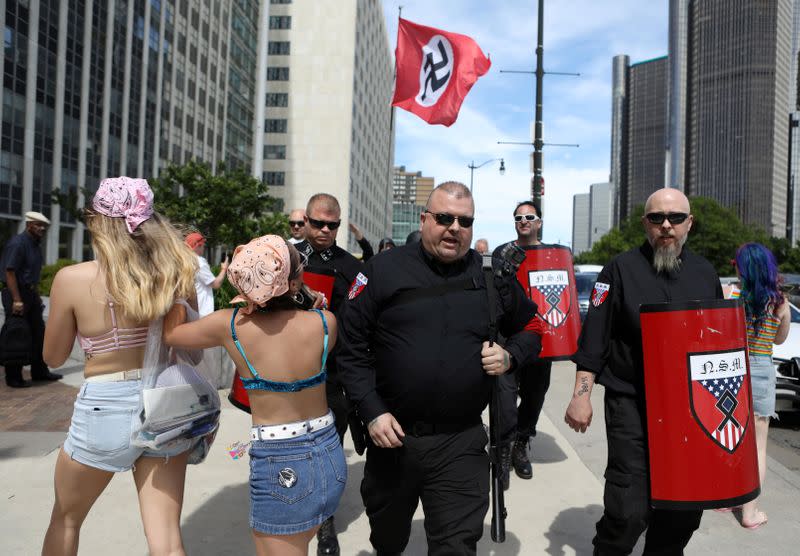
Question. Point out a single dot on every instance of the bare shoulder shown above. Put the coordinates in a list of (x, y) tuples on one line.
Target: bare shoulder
[(330, 318), (220, 315), (76, 274), (79, 271), (310, 320)]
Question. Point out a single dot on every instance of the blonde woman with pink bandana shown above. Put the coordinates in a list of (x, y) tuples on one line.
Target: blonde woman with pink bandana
[(142, 266), (297, 466)]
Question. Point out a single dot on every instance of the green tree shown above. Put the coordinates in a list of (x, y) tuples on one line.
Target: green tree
[(228, 207), (717, 232)]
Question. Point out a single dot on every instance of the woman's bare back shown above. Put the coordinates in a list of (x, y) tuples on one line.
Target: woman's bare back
[(283, 346)]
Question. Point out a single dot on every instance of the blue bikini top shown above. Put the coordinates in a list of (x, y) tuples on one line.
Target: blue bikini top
[(258, 383)]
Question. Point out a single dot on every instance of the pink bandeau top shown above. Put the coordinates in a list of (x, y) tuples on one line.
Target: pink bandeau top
[(115, 339)]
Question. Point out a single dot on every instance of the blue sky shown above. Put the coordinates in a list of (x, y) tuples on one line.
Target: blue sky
[(579, 36)]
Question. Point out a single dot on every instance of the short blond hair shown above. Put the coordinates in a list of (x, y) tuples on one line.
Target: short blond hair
[(453, 188), (326, 201)]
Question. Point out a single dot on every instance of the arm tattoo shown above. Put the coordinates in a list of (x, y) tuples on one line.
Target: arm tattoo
[(506, 361), (584, 387)]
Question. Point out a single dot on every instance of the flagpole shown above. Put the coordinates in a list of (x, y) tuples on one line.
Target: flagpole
[(391, 120)]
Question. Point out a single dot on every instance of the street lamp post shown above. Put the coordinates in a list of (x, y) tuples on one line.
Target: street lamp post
[(472, 168)]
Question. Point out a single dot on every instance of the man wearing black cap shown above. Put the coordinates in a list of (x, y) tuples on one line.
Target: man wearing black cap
[(22, 268)]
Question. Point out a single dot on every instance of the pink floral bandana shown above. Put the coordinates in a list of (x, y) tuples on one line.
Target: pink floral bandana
[(123, 197), (260, 271)]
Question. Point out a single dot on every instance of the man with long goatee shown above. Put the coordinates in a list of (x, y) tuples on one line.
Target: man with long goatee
[(610, 353)]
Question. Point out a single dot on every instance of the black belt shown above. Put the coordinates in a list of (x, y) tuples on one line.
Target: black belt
[(421, 428)]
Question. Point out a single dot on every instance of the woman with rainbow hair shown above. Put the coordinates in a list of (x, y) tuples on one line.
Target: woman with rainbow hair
[(767, 323)]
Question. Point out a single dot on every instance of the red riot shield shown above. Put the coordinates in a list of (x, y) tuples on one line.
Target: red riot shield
[(319, 279), (701, 437), (548, 278)]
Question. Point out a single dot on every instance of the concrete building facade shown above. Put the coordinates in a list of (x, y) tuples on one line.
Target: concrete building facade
[(410, 192), (739, 71), (600, 211), (678, 62), (619, 126), (592, 216), (581, 222), (793, 110), (638, 132), (327, 122)]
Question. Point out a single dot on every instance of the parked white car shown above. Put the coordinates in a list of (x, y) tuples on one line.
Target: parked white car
[(787, 362)]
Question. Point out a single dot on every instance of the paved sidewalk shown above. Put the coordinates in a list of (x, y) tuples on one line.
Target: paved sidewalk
[(552, 514)]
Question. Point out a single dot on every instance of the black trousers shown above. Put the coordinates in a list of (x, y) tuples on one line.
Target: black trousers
[(33, 314), (337, 402), (532, 383), (449, 473), (626, 499)]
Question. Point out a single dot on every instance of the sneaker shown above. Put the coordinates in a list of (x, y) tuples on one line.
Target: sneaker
[(327, 543), (519, 458)]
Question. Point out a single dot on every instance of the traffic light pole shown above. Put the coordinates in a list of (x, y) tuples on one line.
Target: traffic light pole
[(537, 183), (536, 194)]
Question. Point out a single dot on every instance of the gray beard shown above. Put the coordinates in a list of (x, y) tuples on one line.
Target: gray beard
[(665, 259)]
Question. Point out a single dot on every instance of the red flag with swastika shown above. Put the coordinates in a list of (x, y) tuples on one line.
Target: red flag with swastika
[(435, 71)]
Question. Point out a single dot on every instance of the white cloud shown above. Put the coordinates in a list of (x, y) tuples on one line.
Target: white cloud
[(579, 36)]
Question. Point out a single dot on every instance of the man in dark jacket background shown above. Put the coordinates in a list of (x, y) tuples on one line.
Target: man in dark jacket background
[(610, 352), (22, 269)]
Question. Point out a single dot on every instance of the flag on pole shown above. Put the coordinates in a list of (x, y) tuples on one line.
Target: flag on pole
[(435, 71)]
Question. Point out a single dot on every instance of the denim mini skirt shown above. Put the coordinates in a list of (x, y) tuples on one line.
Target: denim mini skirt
[(296, 484), (104, 419), (762, 380)]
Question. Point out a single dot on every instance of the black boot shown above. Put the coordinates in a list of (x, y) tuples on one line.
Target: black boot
[(519, 457), (14, 378), (327, 543), (505, 466)]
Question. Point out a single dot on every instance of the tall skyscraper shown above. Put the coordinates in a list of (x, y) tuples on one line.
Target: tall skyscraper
[(638, 133), (410, 192), (116, 87), (327, 120), (677, 96), (581, 223), (737, 121), (600, 211), (619, 135), (793, 109), (592, 216)]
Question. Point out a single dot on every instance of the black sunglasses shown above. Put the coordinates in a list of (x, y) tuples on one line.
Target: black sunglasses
[(319, 224), (674, 218), (294, 223), (444, 219), (528, 217)]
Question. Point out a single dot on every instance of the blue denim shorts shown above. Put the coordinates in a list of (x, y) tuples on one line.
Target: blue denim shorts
[(762, 380), (103, 422), (316, 470)]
